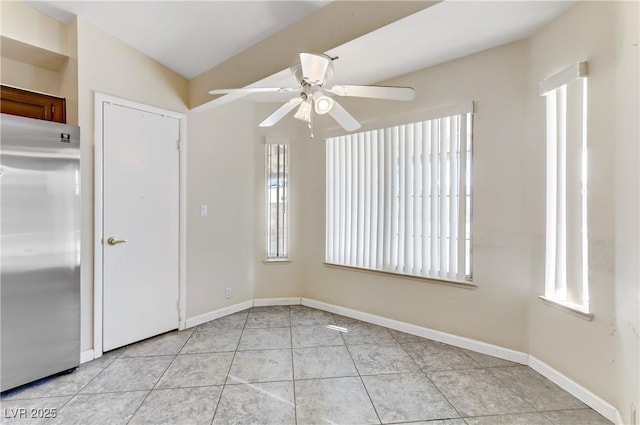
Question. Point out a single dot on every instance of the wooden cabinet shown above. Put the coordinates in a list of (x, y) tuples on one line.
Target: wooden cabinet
[(32, 105)]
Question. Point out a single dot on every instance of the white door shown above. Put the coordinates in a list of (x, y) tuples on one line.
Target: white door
[(140, 224)]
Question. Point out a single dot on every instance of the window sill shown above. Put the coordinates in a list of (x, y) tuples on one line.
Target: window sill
[(277, 261), (572, 309), (436, 280)]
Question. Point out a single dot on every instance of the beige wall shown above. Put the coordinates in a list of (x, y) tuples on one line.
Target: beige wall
[(226, 249), (495, 311), (109, 66), (69, 75), (23, 75), (627, 208), (587, 351), (24, 23), (220, 174)]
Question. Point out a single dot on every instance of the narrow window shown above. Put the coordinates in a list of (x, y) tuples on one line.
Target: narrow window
[(277, 186), (566, 271), (399, 199)]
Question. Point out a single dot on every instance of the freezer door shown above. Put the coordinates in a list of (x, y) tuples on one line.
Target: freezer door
[(40, 277)]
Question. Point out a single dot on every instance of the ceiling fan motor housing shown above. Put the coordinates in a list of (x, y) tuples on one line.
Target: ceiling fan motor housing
[(312, 68)]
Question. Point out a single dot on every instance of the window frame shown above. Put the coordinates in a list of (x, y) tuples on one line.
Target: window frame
[(284, 224), (559, 197)]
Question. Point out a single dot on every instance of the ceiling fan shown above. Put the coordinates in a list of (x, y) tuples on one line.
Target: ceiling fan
[(312, 71)]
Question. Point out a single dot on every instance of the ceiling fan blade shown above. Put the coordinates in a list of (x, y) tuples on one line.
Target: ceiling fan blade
[(376, 92), (281, 112), (254, 90), (314, 67), (344, 118)]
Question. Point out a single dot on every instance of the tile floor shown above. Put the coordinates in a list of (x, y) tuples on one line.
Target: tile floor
[(284, 365)]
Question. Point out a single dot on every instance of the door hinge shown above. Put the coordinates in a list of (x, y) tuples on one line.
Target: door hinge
[(179, 144)]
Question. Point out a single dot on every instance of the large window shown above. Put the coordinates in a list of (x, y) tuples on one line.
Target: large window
[(277, 186), (399, 199), (566, 277)]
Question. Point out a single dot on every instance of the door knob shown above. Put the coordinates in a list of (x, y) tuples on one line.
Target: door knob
[(115, 241)]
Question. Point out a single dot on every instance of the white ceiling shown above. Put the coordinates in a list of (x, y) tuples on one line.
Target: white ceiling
[(193, 36), (188, 37), (446, 31)]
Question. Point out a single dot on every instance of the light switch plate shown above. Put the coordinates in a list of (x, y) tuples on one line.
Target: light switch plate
[(203, 210)]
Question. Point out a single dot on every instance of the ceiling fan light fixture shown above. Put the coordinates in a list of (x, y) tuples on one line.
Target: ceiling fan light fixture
[(304, 111), (323, 104)]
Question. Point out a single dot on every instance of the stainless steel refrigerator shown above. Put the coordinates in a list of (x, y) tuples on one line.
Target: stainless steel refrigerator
[(40, 249)]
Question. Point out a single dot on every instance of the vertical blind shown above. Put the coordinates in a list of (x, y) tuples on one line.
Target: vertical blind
[(566, 277), (398, 199), (277, 166)]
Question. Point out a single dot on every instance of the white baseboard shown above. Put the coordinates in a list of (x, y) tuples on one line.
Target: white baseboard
[(86, 356), (575, 389), (216, 314), (263, 302), (457, 341)]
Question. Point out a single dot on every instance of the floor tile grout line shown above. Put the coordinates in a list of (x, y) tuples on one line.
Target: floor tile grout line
[(524, 413), (360, 378), (213, 415), (159, 389), (159, 379), (50, 379), (511, 390), (474, 361), (91, 380), (37, 398), (494, 414), (60, 408), (455, 409), (422, 372), (542, 413), (205, 352), (427, 370), (293, 370), (419, 370), (154, 386), (476, 367), (141, 403), (117, 392), (224, 384), (463, 352)]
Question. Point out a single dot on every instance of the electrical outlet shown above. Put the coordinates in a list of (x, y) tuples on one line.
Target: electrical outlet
[(227, 293)]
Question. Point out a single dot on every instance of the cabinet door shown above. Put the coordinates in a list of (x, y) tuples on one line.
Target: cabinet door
[(32, 105)]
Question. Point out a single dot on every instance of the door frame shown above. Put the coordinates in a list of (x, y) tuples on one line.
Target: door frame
[(98, 248)]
